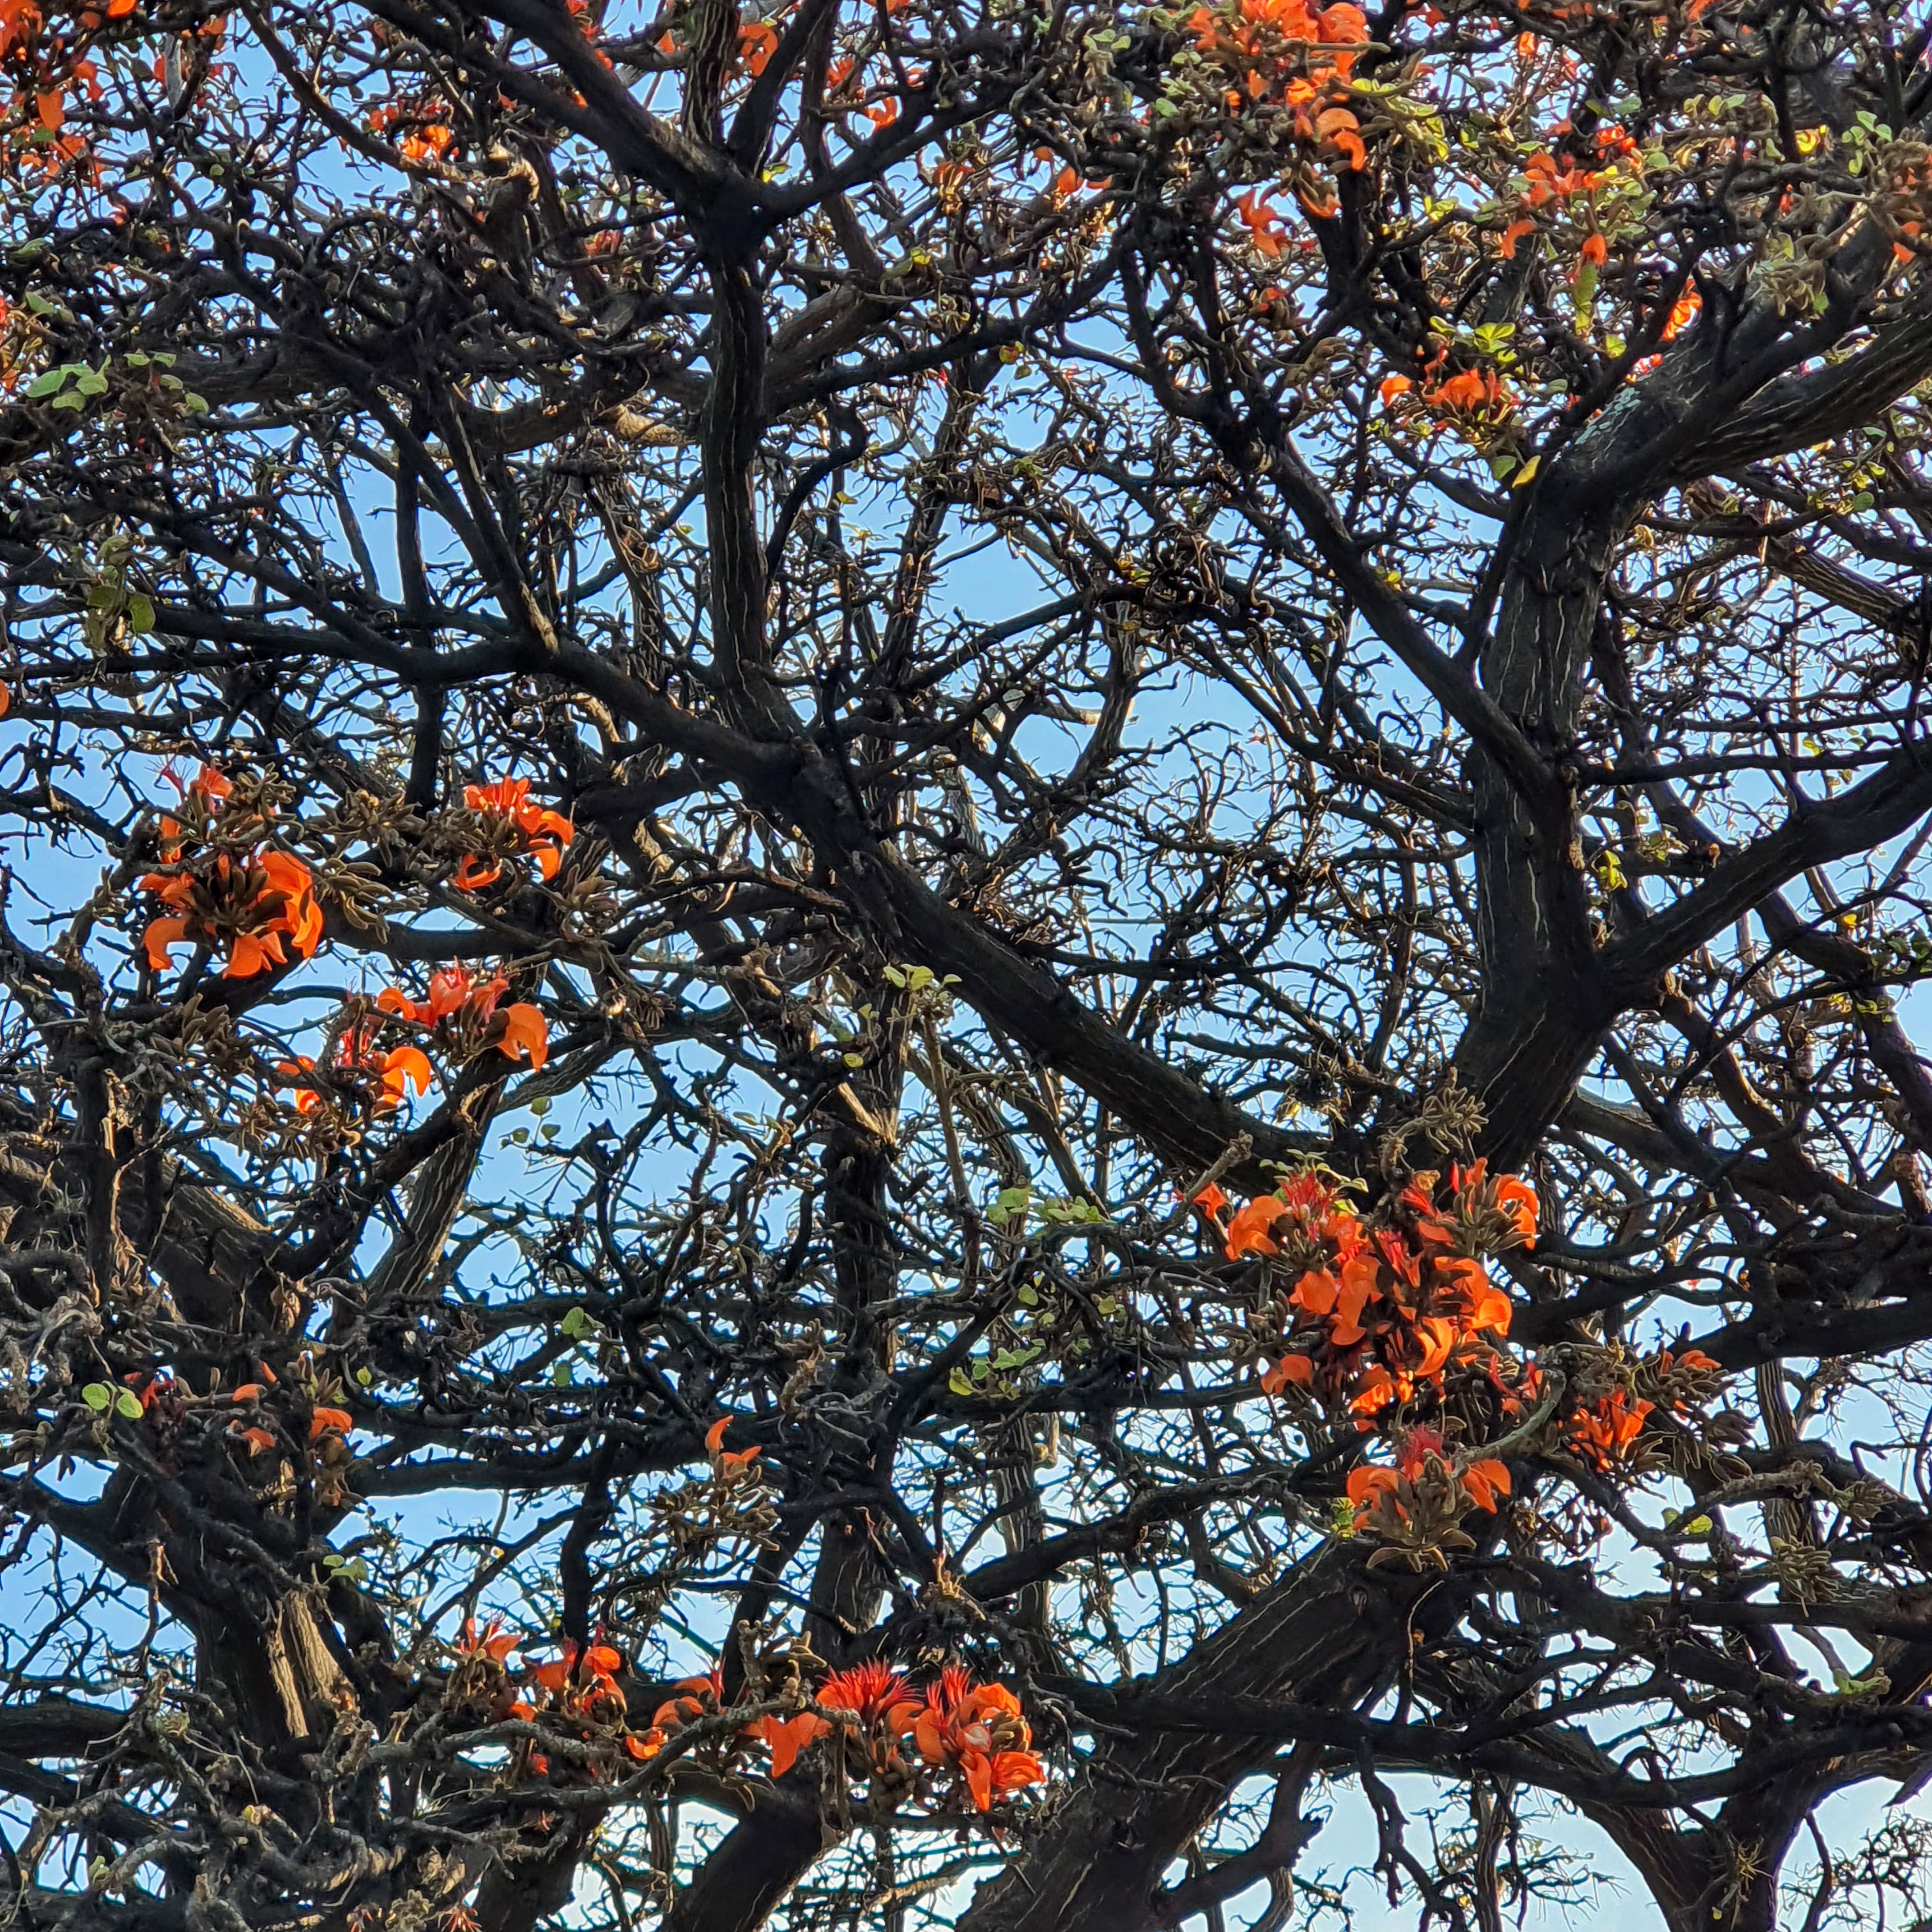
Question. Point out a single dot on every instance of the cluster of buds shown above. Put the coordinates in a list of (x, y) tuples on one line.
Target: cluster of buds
[(731, 1504)]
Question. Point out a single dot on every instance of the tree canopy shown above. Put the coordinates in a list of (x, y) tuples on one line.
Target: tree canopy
[(947, 941)]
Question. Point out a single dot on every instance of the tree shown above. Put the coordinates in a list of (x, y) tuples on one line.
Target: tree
[(941, 939)]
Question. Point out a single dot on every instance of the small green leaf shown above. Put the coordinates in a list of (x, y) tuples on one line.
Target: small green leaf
[(99, 1396), (128, 1404), (140, 614), (46, 385), (90, 382), (1011, 1204), (73, 400), (560, 1375), (960, 1382)]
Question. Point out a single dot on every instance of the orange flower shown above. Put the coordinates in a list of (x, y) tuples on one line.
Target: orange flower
[(1683, 313), (1392, 386), (979, 1732), (1210, 1200), (1342, 131), (1485, 1481), (257, 1440), (1266, 231), (1595, 251), (874, 1693), (1471, 392), (1366, 1483), (330, 1421), (395, 1071), (1606, 1434), (757, 41), (726, 1460), (1248, 1232), (699, 1697), (594, 1664), (1296, 1369), (492, 1641), (1358, 1289), (784, 1738), (512, 821), (251, 905)]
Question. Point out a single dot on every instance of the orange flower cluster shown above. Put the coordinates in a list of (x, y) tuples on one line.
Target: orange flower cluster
[(43, 61), (579, 1694), (420, 127), (583, 1695), (1381, 1311), (464, 1014), (1371, 1487), (1414, 1509), (359, 1064), (1470, 400), (260, 904), (757, 41), (1288, 54), (978, 1732), (512, 826), (1608, 1433), (1550, 184)]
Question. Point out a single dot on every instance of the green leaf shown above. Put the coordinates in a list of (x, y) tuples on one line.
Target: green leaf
[(560, 1375), (960, 1382), (1011, 1204), (140, 614), (46, 385), (90, 382), (127, 1403), (99, 1396), (73, 400)]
